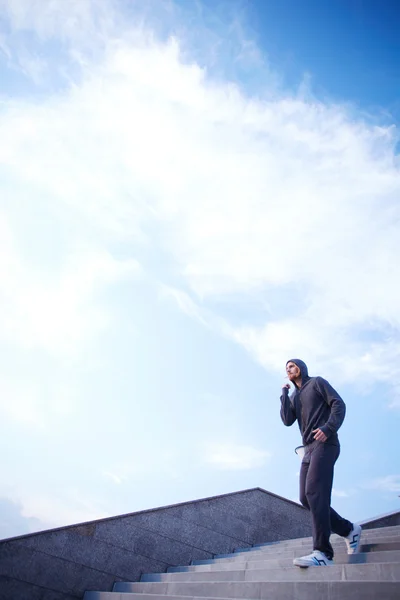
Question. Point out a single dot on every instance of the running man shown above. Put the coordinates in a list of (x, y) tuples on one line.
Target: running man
[(319, 411)]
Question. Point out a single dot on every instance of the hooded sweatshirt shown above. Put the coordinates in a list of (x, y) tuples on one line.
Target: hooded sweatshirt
[(315, 405)]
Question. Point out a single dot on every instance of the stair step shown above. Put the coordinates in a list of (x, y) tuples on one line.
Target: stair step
[(366, 534), (277, 590), (340, 558), (247, 553), (366, 538), (292, 553), (393, 530), (347, 572), (266, 572)]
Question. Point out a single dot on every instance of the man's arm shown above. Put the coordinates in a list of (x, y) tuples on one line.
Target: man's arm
[(337, 406), (288, 414)]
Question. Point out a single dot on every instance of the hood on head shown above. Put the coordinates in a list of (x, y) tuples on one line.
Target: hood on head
[(303, 368)]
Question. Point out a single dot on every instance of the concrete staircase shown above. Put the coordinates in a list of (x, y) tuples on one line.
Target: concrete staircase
[(266, 572)]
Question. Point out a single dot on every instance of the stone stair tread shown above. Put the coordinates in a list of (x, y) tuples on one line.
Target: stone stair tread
[(346, 572), (337, 546), (287, 546), (300, 590), (247, 557), (366, 535), (340, 558), (304, 542), (394, 530), (378, 530), (266, 572), (122, 596), (334, 540)]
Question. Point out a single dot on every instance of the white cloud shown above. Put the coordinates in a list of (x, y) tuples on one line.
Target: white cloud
[(339, 493), (32, 405), (229, 456), (54, 507), (389, 483), (114, 478), (19, 402), (275, 200), (58, 509), (141, 458), (54, 312), (55, 19), (184, 302), (289, 198)]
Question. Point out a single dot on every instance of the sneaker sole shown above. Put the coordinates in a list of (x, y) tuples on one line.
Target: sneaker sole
[(305, 565)]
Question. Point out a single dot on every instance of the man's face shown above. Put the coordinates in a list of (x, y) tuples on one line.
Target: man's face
[(293, 371)]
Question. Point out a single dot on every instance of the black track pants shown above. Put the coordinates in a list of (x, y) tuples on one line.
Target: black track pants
[(316, 478)]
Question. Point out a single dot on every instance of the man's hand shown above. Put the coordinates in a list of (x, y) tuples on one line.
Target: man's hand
[(319, 435), (286, 385)]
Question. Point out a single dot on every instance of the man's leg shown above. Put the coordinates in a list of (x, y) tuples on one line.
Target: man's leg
[(305, 463), (318, 491), (350, 531), (339, 525)]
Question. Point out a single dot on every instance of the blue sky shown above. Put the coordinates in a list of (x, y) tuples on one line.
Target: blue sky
[(349, 48), (189, 197)]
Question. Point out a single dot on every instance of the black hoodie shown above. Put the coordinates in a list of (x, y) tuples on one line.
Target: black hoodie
[(315, 405)]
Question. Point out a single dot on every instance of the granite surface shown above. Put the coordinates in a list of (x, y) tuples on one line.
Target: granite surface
[(61, 564)]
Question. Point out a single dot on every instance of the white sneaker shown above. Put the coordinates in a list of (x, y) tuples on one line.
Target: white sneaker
[(315, 559), (353, 540)]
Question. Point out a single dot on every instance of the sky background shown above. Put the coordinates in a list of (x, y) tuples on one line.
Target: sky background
[(191, 193)]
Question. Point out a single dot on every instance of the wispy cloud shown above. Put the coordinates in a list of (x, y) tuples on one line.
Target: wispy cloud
[(55, 311), (19, 402), (339, 493), (234, 457), (185, 303), (135, 154), (288, 195), (43, 509), (12, 522), (249, 197), (389, 483), (54, 19), (57, 509), (114, 478)]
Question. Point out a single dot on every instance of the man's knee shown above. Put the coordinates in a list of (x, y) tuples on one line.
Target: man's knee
[(303, 500), (316, 497)]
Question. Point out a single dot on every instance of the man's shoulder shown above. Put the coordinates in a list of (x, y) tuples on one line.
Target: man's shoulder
[(322, 386), (318, 380), (318, 383)]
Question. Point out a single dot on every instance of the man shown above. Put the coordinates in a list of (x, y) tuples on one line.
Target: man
[(319, 411)]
